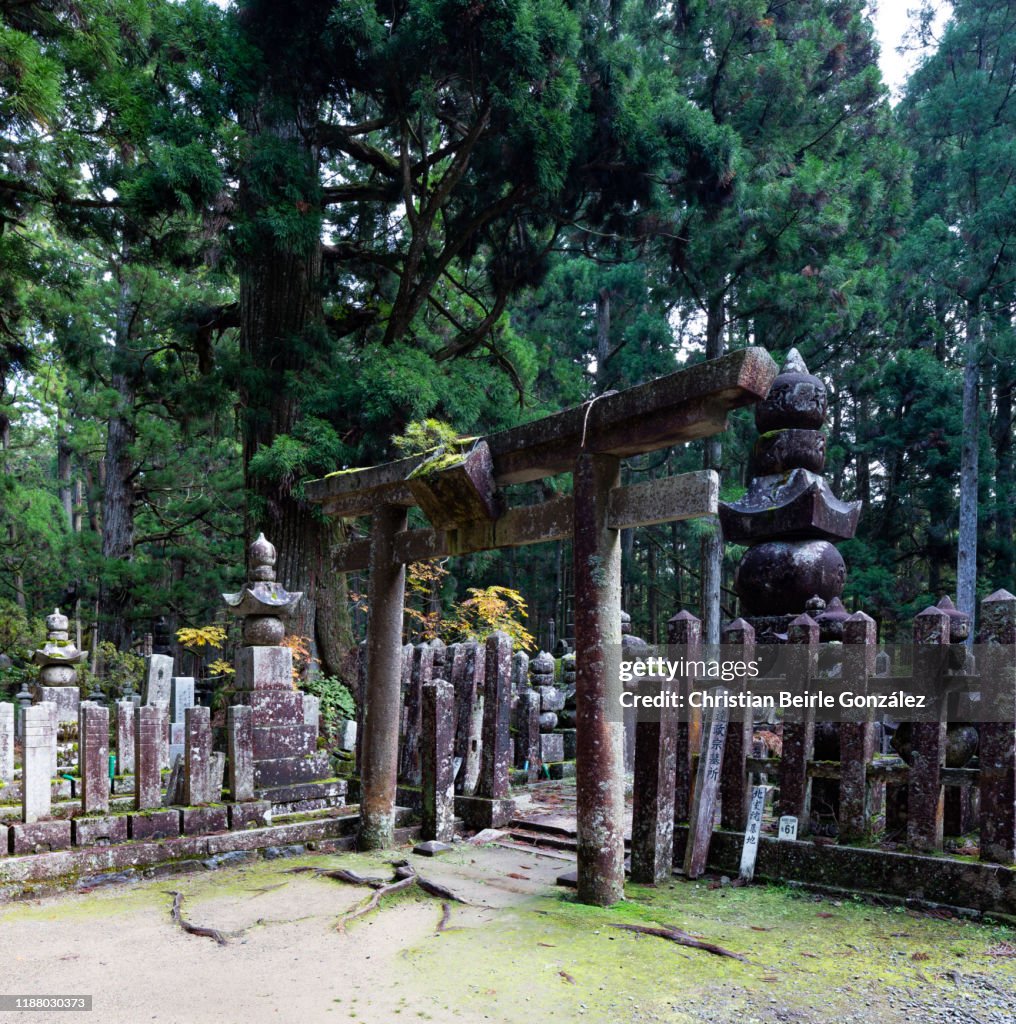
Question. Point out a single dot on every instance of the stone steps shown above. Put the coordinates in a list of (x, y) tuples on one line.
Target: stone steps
[(554, 837), (301, 797)]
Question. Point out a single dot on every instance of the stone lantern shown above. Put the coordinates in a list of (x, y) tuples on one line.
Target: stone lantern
[(285, 721), (262, 602), (58, 659)]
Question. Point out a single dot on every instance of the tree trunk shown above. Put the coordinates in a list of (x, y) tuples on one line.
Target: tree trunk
[(1003, 474), (602, 338), (966, 560), (862, 470), (712, 542), (281, 319), (63, 472), (118, 497), (836, 407), (12, 533), (653, 594)]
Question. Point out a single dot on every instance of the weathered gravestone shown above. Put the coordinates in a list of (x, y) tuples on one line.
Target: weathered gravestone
[(39, 739), (93, 757), (158, 680), (438, 737), (6, 742), (240, 738), (148, 721), (125, 737)]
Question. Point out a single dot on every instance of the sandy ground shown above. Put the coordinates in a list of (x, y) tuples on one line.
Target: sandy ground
[(284, 959), (521, 951)]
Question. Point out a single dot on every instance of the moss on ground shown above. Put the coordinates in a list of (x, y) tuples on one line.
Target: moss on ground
[(543, 956)]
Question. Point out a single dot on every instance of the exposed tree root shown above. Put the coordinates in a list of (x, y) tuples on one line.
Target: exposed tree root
[(446, 916), (352, 878), (261, 890), (375, 901), (405, 877), (433, 889), (672, 934), (193, 929)]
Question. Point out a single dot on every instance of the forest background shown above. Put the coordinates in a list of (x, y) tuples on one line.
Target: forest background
[(242, 247)]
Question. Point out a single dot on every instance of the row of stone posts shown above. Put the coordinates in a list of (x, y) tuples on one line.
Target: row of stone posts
[(915, 794), (443, 703), (140, 735)]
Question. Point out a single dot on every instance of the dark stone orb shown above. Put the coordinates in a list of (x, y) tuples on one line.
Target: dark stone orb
[(779, 577), (961, 742), (263, 631), (794, 400), (783, 450)]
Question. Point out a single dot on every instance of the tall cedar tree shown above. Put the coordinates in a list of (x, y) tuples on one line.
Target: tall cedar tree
[(437, 146), (960, 115)]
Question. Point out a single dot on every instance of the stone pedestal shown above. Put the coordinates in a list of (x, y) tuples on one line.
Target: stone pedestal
[(478, 812), (284, 746), (66, 698)]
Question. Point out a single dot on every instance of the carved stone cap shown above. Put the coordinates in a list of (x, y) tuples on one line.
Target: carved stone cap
[(797, 399), (262, 559), (57, 623)]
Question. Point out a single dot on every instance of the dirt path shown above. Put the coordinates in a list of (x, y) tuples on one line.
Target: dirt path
[(522, 951)]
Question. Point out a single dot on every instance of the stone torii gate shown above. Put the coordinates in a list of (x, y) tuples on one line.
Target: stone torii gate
[(461, 497)]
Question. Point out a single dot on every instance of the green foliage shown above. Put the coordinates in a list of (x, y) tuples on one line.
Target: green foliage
[(423, 436), (19, 635), (337, 703), (115, 669), (489, 610), (608, 192)]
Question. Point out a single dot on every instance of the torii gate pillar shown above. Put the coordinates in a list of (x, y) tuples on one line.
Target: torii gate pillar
[(379, 759), (599, 774)]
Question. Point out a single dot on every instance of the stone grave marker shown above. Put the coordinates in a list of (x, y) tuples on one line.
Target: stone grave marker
[(240, 738), (6, 742), (125, 737), (752, 833), (39, 738), (93, 757), (157, 683), (707, 786), (147, 756)]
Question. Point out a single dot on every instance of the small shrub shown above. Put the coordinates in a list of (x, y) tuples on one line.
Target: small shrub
[(115, 669), (337, 703)]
